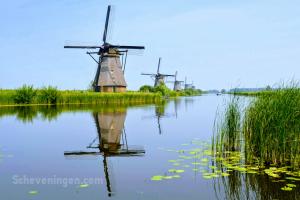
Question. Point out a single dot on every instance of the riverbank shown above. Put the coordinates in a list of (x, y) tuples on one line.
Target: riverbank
[(27, 95), (56, 97)]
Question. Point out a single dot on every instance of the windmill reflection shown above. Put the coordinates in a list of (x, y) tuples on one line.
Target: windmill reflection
[(111, 141), (160, 113)]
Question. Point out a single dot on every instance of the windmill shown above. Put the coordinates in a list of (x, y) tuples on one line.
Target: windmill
[(112, 142), (158, 77), (110, 72), (188, 85), (177, 83)]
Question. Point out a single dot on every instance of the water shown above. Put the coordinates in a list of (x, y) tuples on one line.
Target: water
[(51, 150)]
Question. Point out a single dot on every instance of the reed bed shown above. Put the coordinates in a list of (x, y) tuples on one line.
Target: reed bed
[(268, 134)]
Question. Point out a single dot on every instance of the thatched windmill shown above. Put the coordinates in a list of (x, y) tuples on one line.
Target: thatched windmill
[(158, 77), (112, 142), (110, 72)]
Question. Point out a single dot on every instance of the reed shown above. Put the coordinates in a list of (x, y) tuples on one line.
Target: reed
[(271, 128), (269, 131), (227, 133)]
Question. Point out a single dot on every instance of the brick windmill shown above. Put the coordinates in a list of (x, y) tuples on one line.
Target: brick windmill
[(110, 72), (158, 77)]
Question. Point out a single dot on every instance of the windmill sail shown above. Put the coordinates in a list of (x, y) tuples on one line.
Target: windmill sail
[(109, 75)]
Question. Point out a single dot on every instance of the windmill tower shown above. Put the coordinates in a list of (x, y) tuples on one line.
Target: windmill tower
[(177, 83), (110, 72), (158, 77)]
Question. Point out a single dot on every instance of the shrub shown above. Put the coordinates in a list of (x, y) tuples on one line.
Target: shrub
[(163, 89), (25, 95), (49, 95), (146, 88)]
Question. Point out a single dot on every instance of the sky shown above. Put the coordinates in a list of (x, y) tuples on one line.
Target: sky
[(214, 43)]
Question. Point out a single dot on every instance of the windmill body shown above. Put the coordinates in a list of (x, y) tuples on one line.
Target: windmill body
[(177, 83), (109, 76), (110, 72), (188, 85)]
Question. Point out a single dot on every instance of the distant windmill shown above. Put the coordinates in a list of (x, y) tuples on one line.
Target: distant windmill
[(188, 85), (110, 72), (177, 83), (158, 77)]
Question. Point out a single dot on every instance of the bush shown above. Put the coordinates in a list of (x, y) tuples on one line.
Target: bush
[(49, 95), (146, 88), (25, 95), (163, 89)]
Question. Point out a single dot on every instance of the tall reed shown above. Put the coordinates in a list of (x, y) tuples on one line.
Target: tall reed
[(269, 131)]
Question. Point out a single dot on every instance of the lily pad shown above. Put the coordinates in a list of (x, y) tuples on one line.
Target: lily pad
[(157, 178), (84, 185), (33, 192), (285, 188), (291, 185)]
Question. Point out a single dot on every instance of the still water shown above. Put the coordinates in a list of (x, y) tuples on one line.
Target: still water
[(89, 152)]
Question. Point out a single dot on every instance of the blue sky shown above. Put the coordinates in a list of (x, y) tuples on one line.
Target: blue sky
[(216, 44)]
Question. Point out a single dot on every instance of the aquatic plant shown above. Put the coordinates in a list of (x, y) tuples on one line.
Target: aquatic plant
[(227, 129), (49, 95), (270, 129), (24, 95)]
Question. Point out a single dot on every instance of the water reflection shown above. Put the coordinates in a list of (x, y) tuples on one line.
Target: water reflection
[(111, 141), (160, 112)]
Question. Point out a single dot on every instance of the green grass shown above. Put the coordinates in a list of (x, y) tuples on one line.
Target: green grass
[(29, 96), (166, 92), (268, 133)]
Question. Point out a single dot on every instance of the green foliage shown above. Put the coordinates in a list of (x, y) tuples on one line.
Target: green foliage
[(48, 95), (228, 128), (25, 95), (146, 88), (272, 127), (190, 92), (269, 132), (162, 89)]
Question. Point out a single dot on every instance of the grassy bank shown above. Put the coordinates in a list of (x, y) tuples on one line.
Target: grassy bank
[(257, 93), (266, 132), (27, 95), (165, 91)]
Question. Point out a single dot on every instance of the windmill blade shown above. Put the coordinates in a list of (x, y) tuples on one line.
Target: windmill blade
[(106, 23), (176, 76), (127, 47), (148, 74), (171, 75), (81, 47), (158, 65)]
